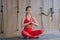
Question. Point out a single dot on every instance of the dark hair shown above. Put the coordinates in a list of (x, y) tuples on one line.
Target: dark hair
[(28, 7)]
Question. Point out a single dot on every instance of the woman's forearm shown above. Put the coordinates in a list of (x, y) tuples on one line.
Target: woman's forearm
[(36, 24), (26, 24)]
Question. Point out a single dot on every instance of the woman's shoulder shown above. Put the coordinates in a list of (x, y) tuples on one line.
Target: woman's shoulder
[(24, 17)]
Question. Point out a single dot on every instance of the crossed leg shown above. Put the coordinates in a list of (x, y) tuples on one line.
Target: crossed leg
[(32, 34)]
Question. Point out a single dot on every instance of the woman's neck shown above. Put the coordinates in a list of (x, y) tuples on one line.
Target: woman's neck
[(28, 14)]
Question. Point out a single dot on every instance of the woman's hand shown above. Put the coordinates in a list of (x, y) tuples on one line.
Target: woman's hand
[(35, 22)]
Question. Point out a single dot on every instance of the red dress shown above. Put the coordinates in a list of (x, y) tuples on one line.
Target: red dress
[(28, 32)]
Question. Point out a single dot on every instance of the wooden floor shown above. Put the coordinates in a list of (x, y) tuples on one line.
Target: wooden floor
[(45, 36)]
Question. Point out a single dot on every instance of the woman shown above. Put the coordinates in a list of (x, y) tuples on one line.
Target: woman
[(28, 21)]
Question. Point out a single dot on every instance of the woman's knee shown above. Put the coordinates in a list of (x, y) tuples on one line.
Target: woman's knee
[(41, 31)]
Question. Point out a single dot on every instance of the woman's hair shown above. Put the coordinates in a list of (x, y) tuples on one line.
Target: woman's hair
[(28, 7)]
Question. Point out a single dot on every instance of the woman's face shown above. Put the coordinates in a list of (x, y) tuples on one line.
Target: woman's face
[(29, 11)]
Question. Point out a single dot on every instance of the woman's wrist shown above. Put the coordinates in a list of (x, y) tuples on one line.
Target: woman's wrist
[(33, 23)]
